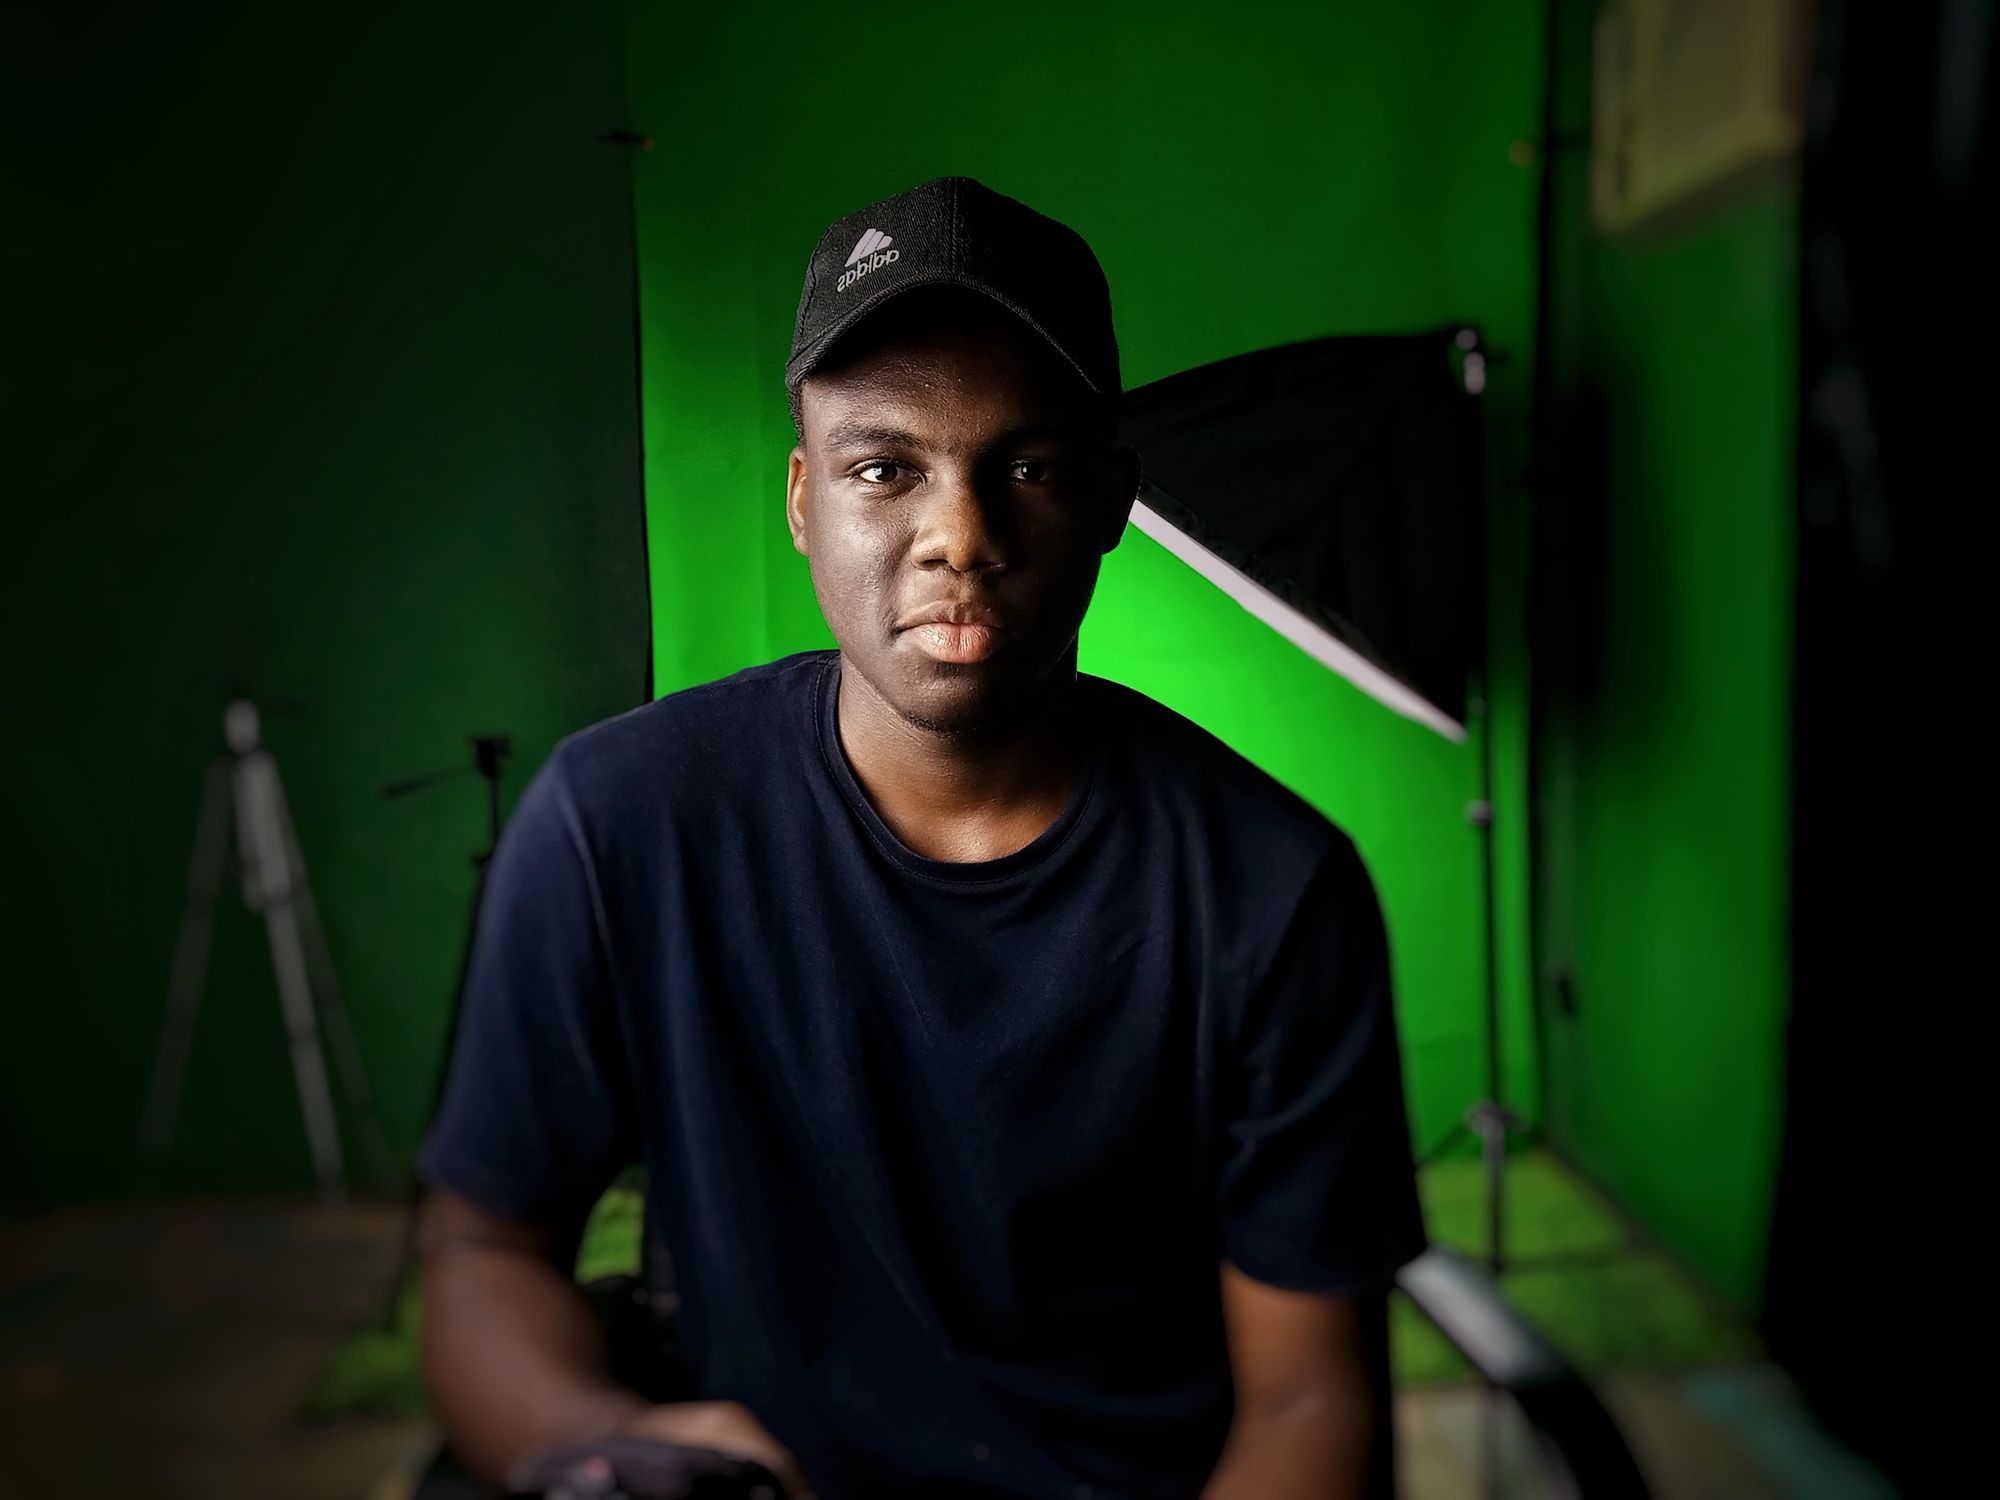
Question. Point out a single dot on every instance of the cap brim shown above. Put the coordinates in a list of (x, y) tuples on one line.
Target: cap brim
[(805, 360)]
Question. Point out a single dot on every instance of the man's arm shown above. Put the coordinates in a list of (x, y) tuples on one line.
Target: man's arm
[(537, 1117), (513, 1354), (1316, 1191), (1312, 1395), (515, 1358)]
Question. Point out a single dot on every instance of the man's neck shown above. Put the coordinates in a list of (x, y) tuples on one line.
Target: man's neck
[(969, 796)]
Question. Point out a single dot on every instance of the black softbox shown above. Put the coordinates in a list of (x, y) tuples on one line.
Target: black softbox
[(1334, 488)]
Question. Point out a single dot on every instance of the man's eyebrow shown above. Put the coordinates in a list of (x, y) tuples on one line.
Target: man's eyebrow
[(860, 434)]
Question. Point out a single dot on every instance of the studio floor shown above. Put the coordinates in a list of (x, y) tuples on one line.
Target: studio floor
[(223, 1351)]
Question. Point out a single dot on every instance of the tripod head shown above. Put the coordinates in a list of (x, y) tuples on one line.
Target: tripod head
[(242, 729), (490, 753)]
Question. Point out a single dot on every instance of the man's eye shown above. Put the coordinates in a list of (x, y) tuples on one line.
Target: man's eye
[(862, 472), (1033, 471)]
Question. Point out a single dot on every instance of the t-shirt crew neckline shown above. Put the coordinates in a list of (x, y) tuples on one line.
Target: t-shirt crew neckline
[(947, 872)]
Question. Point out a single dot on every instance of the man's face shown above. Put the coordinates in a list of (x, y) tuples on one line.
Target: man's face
[(954, 493)]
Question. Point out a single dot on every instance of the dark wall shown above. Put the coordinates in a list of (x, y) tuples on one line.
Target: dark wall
[(322, 379)]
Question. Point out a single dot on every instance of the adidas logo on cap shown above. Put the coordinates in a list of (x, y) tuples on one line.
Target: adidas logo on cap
[(870, 253)]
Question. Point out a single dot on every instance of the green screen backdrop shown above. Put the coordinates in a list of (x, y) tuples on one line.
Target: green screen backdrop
[(328, 378), (1663, 780), (1247, 180)]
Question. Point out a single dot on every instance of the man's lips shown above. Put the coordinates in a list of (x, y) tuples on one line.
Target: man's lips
[(955, 643), (957, 633)]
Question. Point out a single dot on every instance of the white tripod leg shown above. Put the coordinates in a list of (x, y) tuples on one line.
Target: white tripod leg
[(333, 1015), (206, 866), (270, 887)]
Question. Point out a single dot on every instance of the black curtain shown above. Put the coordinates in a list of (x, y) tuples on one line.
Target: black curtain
[(1877, 1266)]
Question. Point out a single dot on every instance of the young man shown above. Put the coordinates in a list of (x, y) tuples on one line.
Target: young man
[(1012, 1063)]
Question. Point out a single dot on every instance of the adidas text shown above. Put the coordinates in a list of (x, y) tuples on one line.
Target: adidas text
[(874, 262)]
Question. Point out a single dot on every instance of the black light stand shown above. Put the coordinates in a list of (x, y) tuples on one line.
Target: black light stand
[(489, 757), (1487, 1120)]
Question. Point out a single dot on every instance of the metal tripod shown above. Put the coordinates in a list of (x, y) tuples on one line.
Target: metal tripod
[(243, 788)]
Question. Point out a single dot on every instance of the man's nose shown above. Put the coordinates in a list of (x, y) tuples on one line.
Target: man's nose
[(961, 526)]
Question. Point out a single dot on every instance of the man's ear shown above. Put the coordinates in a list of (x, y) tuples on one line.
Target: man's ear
[(795, 499), (1122, 475)]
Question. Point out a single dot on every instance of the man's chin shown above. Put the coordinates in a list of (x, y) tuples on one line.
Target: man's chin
[(953, 699), (957, 698)]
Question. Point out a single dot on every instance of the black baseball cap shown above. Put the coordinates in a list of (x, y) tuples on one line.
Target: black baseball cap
[(955, 231)]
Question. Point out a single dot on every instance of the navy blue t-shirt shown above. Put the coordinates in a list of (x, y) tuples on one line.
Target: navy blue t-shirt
[(946, 1155)]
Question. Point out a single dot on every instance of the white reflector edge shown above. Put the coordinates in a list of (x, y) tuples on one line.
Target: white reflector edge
[(1309, 636)]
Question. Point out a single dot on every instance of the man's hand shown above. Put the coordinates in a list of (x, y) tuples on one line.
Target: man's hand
[(727, 1427), (1312, 1398)]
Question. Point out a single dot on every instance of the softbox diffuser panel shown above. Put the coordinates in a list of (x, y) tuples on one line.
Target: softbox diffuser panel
[(1344, 477)]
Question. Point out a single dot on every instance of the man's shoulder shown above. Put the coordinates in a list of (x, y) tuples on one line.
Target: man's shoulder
[(1216, 781), (729, 726)]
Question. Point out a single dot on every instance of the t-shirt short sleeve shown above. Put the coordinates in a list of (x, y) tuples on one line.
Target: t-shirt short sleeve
[(1317, 1189), (536, 1118)]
